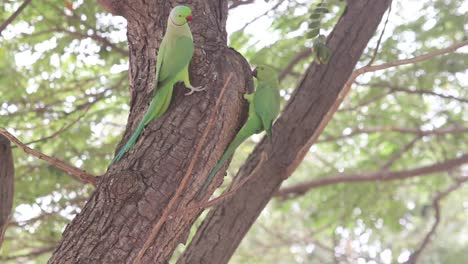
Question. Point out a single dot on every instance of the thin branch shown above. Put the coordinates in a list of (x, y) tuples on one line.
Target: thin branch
[(262, 15), (399, 153), (95, 37), (376, 50), (416, 59), (14, 15), (237, 3), (304, 187), (186, 179), (401, 130), (61, 130), (366, 102), (69, 169), (21, 224), (300, 56), (34, 253), (437, 213), (395, 88), (383, 66)]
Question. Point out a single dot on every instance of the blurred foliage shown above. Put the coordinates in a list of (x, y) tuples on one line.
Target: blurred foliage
[(63, 87)]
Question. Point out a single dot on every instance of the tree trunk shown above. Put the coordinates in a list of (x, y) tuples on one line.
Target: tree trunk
[(131, 196), (7, 174), (293, 134)]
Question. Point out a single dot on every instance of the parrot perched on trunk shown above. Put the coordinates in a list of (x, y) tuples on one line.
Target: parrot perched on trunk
[(264, 106), (172, 66)]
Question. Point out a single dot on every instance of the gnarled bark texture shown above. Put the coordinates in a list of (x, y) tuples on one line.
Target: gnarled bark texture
[(7, 174), (294, 132), (131, 196)]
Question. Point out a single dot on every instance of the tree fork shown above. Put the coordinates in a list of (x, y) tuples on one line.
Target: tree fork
[(311, 106)]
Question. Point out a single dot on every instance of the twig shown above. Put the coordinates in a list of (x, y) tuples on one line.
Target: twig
[(395, 88), (185, 179), (376, 50), (436, 205), (94, 36), (224, 196), (399, 153), (62, 129), (262, 15), (300, 56), (71, 170), (14, 15), (31, 254)]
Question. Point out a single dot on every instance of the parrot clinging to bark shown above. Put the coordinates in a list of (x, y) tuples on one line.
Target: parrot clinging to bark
[(264, 106), (172, 66)]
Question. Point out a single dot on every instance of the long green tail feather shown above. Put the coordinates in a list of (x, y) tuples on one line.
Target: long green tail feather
[(157, 108), (246, 131), (130, 142)]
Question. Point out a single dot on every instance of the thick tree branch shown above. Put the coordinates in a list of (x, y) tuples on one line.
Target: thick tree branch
[(186, 179), (134, 193), (76, 173), (297, 128), (116, 7), (7, 174), (375, 176), (14, 15)]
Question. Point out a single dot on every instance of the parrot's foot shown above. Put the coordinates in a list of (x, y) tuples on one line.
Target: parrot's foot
[(195, 89)]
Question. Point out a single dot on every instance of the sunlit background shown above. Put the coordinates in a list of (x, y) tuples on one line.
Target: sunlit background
[(64, 91)]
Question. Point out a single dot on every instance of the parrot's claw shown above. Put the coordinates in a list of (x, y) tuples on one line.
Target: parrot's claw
[(195, 89)]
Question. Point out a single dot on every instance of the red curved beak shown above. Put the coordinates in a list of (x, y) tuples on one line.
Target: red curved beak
[(189, 18)]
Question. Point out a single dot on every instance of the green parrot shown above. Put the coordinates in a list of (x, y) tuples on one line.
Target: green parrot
[(172, 66), (264, 106)]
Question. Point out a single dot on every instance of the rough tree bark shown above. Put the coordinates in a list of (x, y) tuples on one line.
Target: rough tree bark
[(294, 132), (131, 196), (7, 174)]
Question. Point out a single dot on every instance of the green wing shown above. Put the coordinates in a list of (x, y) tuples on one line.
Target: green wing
[(267, 103), (159, 61), (177, 55)]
